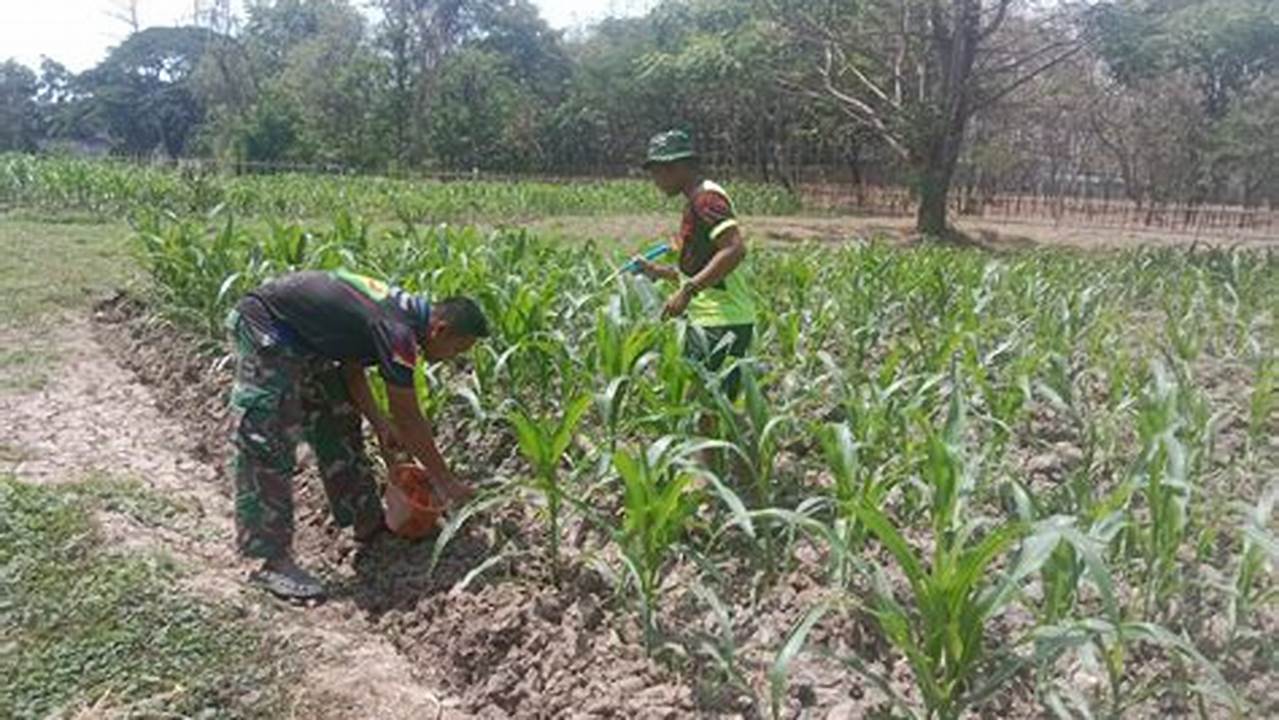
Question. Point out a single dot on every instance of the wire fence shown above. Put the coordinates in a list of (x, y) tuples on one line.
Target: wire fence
[(1176, 217)]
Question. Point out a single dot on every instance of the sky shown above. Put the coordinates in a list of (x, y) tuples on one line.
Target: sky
[(77, 33)]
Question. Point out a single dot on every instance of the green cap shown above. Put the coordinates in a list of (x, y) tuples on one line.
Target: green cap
[(669, 147)]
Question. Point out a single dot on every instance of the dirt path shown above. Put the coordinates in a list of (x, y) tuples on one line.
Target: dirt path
[(94, 417), (636, 230)]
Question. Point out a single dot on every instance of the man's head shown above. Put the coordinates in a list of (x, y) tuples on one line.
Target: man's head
[(455, 324), (671, 161)]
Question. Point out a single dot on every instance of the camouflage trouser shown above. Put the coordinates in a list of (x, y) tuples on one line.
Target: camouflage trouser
[(279, 397)]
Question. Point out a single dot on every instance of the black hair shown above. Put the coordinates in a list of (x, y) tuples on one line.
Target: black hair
[(462, 316)]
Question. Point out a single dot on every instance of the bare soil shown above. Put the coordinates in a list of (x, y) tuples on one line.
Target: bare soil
[(95, 417), (997, 235)]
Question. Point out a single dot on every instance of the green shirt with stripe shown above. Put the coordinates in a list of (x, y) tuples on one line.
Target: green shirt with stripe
[(708, 215)]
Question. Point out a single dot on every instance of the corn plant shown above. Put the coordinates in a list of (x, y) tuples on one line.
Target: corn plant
[(894, 399), (1162, 476), (544, 441), (108, 187), (1261, 402), (720, 645), (1257, 561), (1108, 643), (943, 636), (657, 505)]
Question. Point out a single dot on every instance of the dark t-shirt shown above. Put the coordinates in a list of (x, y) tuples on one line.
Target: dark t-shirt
[(707, 215), (342, 316)]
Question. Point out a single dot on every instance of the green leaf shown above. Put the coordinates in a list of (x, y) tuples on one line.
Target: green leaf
[(1159, 635), (883, 529), (973, 563), (532, 440), (779, 670), (459, 518), (573, 413)]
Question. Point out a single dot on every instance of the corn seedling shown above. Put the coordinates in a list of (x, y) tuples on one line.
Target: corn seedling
[(544, 441), (657, 505)]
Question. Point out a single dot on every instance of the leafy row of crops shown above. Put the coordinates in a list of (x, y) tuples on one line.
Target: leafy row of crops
[(54, 184), (1047, 475)]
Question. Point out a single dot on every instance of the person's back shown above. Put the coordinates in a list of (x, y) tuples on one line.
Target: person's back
[(341, 316)]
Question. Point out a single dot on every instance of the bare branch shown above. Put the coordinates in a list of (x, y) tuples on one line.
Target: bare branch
[(1030, 57), (994, 97), (855, 72), (126, 11), (856, 108), (996, 22)]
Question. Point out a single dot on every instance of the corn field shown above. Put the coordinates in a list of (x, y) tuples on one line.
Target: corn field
[(115, 189), (1044, 483)]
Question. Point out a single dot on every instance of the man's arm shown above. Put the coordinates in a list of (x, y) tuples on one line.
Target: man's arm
[(654, 271), (357, 386), (731, 251), (414, 433)]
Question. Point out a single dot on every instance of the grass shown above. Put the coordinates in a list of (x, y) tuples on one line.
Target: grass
[(22, 369), (126, 497), (82, 627), (49, 268)]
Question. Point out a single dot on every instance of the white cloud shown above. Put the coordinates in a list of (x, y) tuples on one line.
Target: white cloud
[(78, 33), (572, 13)]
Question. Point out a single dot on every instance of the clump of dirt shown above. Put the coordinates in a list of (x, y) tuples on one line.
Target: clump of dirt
[(538, 652)]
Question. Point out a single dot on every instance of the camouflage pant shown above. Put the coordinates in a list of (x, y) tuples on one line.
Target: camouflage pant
[(279, 397)]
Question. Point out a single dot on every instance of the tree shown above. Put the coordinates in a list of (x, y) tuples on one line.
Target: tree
[(915, 72), (477, 108), (300, 83), (142, 91), (398, 44), (422, 37), (19, 126), (1186, 80), (1250, 144)]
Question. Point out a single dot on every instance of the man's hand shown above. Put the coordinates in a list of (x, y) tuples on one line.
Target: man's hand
[(412, 430), (448, 492), (678, 302), (455, 493), (386, 442), (653, 271)]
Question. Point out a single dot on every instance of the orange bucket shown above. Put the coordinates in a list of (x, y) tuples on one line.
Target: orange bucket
[(411, 511)]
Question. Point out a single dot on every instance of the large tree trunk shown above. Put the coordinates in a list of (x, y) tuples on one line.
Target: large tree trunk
[(955, 48), (934, 189), (935, 172)]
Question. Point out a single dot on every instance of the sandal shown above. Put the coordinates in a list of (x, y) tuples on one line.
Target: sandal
[(290, 583)]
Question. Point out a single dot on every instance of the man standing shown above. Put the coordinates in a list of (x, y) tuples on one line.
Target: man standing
[(709, 249), (302, 343)]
